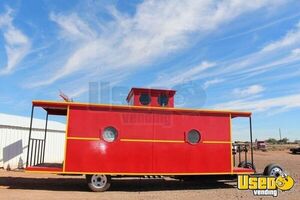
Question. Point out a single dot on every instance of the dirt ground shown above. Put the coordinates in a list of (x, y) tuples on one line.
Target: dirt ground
[(20, 185)]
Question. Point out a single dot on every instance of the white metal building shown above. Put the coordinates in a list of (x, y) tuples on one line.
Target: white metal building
[(14, 132)]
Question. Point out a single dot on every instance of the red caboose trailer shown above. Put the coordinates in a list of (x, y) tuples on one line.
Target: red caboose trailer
[(147, 137)]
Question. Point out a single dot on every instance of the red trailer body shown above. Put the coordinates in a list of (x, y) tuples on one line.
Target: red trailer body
[(151, 139), (148, 147)]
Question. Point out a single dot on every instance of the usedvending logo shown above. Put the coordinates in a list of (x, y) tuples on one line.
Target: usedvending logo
[(265, 185)]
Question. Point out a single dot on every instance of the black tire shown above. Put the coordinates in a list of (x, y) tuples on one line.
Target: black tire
[(273, 170), (98, 182), (247, 165)]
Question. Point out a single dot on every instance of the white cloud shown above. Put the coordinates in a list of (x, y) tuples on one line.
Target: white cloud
[(283, 103), (17, 44), (257, 28), (290, 39), (73, 27), (182, 76), (279, 53), (283, 52), (251, 90), (209, 83), (158, 28)]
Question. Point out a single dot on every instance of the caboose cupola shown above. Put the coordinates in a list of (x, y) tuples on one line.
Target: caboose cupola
[(151, 97)]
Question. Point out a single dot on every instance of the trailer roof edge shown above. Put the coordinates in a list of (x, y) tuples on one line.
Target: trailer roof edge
[(60, 104)]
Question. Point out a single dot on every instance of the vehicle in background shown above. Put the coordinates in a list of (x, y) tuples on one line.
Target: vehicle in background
[(261, 145), (295, 150)]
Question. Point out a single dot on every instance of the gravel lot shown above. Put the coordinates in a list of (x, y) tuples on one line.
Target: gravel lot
[(20, 185)]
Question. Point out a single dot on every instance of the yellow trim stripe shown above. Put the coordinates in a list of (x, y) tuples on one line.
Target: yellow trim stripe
[(83, 138), (140, 174), (217, 142), (148, 140), (145, 140), (144, 107)]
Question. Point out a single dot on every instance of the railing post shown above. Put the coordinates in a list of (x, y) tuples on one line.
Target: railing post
[(240, 149), (233, 154), (30, 129), (42, 147), (251, 143), (234, 162), (31, 151), (34, 159), (38, 152), (246, 152)]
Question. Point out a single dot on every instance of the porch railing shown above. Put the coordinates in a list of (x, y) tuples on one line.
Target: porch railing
[(240, 152), (36, 147), (36, 152)]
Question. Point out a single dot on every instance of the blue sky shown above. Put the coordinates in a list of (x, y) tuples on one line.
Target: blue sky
[(223, 54)]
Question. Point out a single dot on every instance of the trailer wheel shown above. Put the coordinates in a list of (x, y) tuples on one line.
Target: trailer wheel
[(247, 165), (98, 182), (273, 170)]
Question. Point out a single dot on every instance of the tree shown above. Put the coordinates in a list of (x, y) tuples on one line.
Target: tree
[(283, 141), (271, 141)]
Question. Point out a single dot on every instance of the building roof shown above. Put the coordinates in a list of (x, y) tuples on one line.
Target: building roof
[(24, 122)]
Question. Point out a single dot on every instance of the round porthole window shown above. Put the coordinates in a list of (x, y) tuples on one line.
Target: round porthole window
[(193, 136), (110, 134), (163, 100), (145, 99)]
